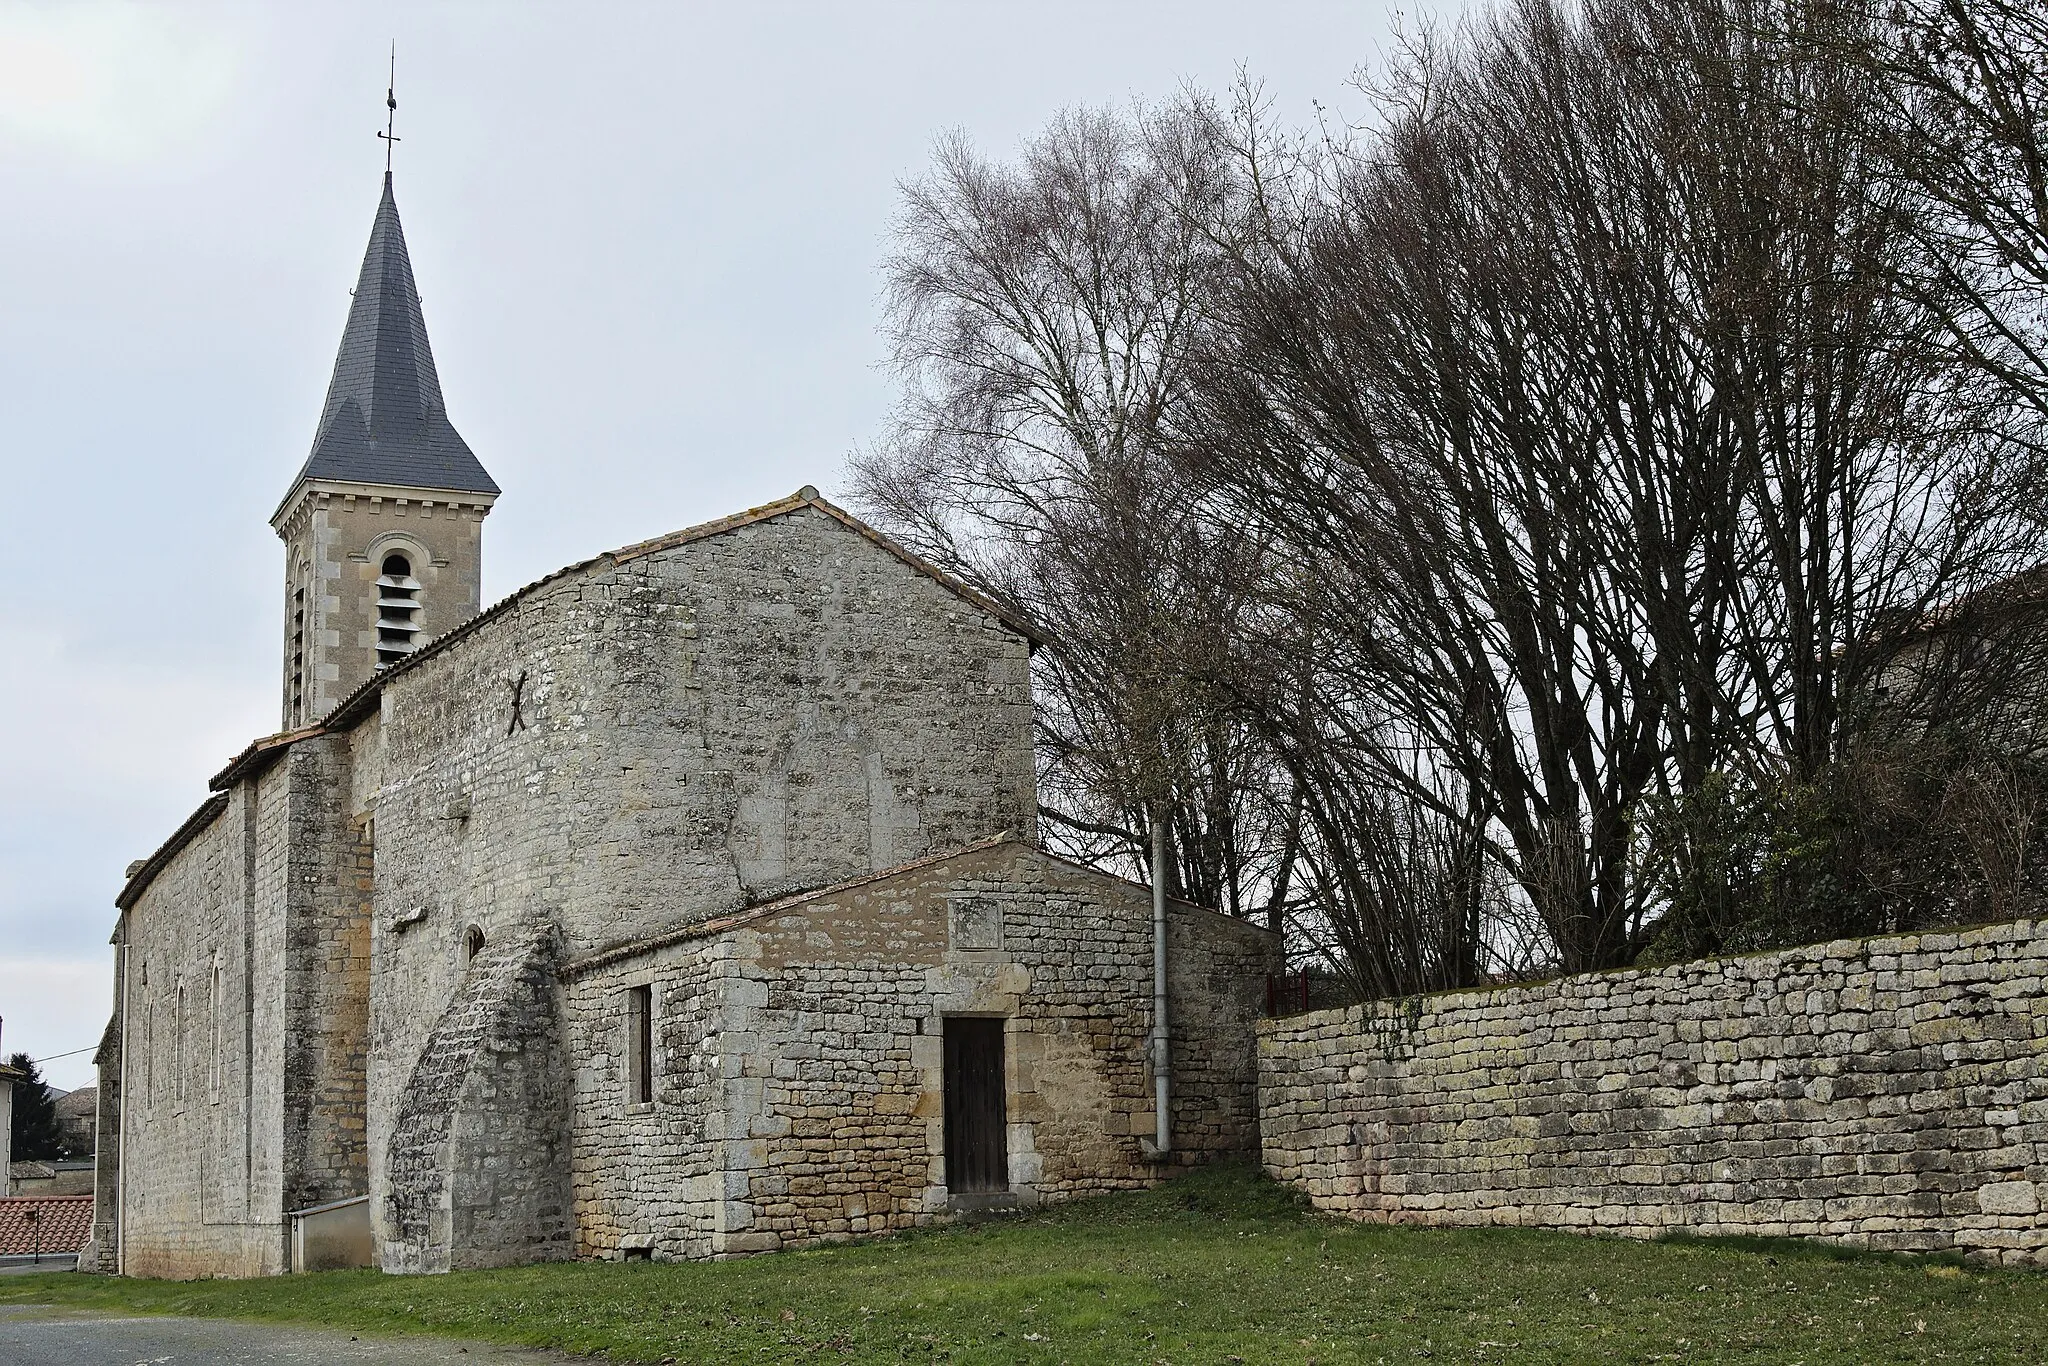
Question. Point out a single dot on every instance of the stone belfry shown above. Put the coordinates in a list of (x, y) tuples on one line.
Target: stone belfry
[(383, 527)]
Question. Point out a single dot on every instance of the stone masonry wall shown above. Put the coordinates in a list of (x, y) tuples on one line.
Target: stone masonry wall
[(233, 1087), (475, 1170), (802, 1054), (1883, 1093), (667, 735), (1217, 968), (327, 972), (199, 1117), (649, 1175)]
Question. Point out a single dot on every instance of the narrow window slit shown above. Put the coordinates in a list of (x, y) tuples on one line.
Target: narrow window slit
[(640, 1045)]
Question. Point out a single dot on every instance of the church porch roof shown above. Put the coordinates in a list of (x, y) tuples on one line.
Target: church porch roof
[(710, 929)]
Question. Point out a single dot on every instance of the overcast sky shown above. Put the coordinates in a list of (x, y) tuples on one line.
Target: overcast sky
[(646, 239)]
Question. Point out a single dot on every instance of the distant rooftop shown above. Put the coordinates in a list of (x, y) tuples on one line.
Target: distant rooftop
[(44, 1223)]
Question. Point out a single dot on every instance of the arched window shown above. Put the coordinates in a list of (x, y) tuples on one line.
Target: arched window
[(472, 944), (398, 610), (178, 1047), (214, 1005), (298, 656)]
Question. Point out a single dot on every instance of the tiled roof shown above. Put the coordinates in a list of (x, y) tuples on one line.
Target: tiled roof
[(705, 929), (84, 1101), (384, 421), (51, 1223)]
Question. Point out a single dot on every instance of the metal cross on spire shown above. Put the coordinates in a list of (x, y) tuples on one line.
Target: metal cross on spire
[(391, 111)]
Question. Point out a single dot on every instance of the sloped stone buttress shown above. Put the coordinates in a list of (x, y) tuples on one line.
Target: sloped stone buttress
[(477, 1164)]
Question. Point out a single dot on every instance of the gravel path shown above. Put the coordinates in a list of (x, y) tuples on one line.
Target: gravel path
[(32, 1335)]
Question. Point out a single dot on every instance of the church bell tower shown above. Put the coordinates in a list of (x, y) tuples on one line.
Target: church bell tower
[(383, 527)]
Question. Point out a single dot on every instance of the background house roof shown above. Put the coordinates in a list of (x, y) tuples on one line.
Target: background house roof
[(46, 1223)]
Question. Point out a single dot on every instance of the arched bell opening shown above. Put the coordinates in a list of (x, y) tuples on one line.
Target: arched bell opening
[(398, 610)]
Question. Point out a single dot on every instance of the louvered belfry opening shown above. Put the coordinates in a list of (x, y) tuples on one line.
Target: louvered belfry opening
[(298, 715), (383, 449), (398, 610), (977, 1147)]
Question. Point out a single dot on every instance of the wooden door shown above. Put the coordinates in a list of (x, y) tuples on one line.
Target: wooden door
[(977, 1146)]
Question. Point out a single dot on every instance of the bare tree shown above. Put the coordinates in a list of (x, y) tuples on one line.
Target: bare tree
[(1588, 503), (1041, 315), (1590, 391), (1406, 404), (1964, 115)]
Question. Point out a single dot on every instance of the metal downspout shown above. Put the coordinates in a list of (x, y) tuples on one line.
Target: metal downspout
[(121, 1131), (1162, 1060)]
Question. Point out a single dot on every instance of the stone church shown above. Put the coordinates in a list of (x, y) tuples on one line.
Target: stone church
[(685, 903)]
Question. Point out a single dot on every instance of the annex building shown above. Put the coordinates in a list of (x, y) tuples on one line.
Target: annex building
[(685, 903)]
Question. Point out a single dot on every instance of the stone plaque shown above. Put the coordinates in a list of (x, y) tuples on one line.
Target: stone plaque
[(976, 922)]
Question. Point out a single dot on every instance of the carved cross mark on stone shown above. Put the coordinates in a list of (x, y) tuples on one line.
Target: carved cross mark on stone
[(518, 722)]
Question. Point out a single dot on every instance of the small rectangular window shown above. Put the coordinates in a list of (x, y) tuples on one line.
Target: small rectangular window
[(640, 1045)]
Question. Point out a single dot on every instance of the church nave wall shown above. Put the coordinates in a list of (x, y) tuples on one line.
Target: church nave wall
[(198, 1092), (596, 756)]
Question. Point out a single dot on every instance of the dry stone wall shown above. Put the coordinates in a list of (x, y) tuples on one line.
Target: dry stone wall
[(1885, 1093)]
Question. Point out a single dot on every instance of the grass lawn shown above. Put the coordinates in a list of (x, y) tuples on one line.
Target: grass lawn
[(1218, 1267)]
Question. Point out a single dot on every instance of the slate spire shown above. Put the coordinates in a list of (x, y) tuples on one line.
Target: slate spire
[(384, 421)]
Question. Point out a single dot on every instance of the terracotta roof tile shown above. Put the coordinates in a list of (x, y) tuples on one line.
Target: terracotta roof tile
[(49, 1223)]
